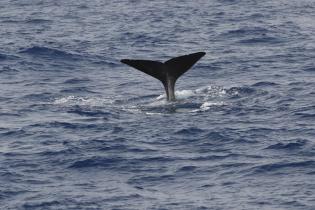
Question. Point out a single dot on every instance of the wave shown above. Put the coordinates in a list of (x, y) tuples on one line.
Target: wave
[(245, 31), (187, 169), (276, 167), (215, 157), (2, 57), (74, 90), (76, 81), (51, 53), (69, 125), (119, 161), (261, 40), (8, 70), (2, 114), (38, 96), (91, 113), (140, 180), (288, 146), (305, 115), (189, 131), (265, 84), (96, 162), (43, 204), (38, 21), (309, 69), (14, 133)]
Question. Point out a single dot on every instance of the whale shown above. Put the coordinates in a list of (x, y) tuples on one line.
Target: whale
[(167, 72)]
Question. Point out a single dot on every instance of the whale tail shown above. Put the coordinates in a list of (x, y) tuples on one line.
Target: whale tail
[(167, 72)]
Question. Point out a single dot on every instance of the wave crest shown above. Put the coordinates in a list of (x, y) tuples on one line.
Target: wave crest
[(46, 52)]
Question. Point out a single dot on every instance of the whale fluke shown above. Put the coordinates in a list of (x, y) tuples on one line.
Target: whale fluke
[(167, 72)]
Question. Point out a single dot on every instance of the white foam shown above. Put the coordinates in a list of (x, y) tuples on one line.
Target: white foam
[(154, 113), (158, 103), (160, 97), (183, 94), (208, 104), (132, 109), (207, 91), (179, 94), (211, 91), (81, 101)]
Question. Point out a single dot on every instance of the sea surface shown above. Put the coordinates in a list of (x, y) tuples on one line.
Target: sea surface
[(80, 130)]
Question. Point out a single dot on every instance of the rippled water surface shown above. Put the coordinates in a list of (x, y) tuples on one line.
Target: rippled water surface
[(80, 130)]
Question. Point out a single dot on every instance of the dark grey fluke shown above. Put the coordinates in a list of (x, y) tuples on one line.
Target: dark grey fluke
[(167, 72)]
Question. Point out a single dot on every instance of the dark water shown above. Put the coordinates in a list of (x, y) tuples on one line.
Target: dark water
[(79, 130)]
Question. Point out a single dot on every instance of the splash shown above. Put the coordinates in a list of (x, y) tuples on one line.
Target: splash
[(208, 91), (198, 100), (180, 94), (212, 91)]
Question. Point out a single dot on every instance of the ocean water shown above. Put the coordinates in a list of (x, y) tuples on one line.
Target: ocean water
[(80, 130)]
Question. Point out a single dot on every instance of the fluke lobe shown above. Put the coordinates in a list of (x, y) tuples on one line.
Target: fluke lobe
[(167, 72)]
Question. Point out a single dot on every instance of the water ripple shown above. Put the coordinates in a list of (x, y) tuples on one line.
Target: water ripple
[(49, 53), (79, 130)]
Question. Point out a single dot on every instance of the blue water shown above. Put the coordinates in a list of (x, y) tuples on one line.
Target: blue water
[(80, 130)]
